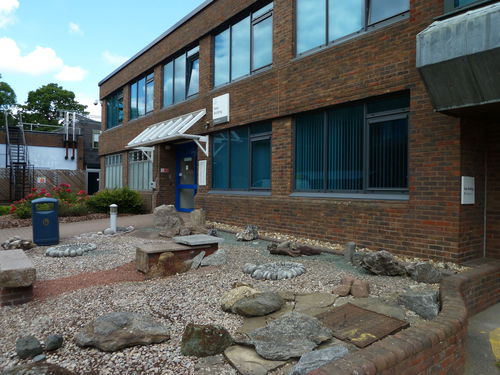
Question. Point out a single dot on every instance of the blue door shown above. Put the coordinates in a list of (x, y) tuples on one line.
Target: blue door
[(186, 179)]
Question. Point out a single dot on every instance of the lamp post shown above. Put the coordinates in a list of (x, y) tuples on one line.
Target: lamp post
[(113, 211)]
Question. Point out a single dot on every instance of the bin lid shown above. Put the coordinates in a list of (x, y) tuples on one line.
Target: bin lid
[(44, 200)]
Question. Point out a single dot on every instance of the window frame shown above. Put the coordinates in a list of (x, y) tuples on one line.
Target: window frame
[(364, 29), (228, 27), (189, 58), (116, 97), (113, 161), (94, 133), (142, 161), (267, 135), (450, 7), (369, 118), (147, 78)]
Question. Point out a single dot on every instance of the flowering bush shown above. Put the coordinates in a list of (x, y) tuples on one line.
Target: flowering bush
[(70, 203)]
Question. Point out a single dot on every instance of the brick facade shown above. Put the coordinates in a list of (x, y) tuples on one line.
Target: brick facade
[(431, 223)]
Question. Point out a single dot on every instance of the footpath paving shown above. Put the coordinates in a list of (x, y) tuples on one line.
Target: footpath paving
[(67, 230)]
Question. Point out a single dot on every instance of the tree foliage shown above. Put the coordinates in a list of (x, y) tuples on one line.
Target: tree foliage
[(7, 100), (44, 103)]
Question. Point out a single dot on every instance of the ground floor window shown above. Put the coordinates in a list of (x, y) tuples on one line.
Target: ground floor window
[(114, 171), (140, 170), (242, 158), (357, 148)]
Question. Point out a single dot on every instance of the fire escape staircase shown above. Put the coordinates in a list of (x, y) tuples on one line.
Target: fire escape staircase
[(21, 172)]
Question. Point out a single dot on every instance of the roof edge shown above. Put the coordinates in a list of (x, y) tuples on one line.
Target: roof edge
[(158, 39)]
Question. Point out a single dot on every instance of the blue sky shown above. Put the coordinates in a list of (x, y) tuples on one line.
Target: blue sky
[(76, 43)]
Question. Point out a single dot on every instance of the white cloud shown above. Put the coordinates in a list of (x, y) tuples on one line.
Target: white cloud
[(74, 28), (71, 73), (40, 61), (113, 59), (94, 109), (7, 7)]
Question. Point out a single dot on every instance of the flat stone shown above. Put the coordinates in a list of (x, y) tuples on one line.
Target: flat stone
[(251, 324), (379, 306), (16, 269), (198, 239), (197, 260), (204, 340), (118, 330), (38, 368), (317, 358), (314, 303), (290, 336), (248, 362), (212, 365), (287, 295), (425, 303), (259, 304)]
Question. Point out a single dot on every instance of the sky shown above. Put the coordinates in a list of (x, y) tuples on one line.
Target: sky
[(77, 43)]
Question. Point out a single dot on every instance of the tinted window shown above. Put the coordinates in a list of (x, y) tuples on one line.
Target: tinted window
[(345, 17), (383, 9), (262, 49), (180, 79), (240, 49), (221, 58), (168, 84), (311, 24), (194, 76)]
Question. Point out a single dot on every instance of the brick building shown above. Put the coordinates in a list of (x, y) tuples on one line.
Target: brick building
[(336, 120)]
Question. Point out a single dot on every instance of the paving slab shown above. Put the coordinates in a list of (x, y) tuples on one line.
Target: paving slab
[(16, 269), (198, 239), (248, 362)]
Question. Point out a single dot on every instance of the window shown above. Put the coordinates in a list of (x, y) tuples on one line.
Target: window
[(244, 47), (181, 77), (114, 170), (142, 96), (356, 148), (95, 138), (140, 170), (320, 22), (450, 5), (242, 158), (114, 109)]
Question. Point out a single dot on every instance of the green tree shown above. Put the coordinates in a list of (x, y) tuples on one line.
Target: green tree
[(7, 100), (44, 103)]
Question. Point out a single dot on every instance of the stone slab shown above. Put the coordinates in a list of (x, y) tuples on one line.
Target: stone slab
[(248, 362), (198, 239), (314, 303), (16, 269)]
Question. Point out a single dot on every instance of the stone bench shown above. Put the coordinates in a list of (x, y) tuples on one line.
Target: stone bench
[(17, 275), (147, 255)]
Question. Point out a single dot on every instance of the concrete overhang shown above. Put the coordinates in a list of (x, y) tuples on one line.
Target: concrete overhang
[(459, 60)]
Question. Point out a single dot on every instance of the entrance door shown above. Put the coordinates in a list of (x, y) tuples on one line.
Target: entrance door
[(92, 181), (186, 183)]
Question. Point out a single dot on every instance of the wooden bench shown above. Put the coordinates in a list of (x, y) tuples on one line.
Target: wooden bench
[(17, 275)]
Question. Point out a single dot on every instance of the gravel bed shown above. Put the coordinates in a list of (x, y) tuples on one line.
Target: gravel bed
[(11, 221), (175, 301)]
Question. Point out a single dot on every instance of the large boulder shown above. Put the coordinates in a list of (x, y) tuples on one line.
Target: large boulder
[(424, 303), (234, 295), (317, 358), (290, 336), (204, 340), (423, 272), (38, 368), (28, 347), (259, 304), (166, 218), (382, 263), (118, 330)]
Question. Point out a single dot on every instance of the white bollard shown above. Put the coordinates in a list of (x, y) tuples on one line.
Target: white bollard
[(113, 211)]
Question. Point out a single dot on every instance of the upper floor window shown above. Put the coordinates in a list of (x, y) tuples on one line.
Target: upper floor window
[(355, 148), (244, 47), (114, 109), (95, 138), (181, 77), (142, 94), (450, 5), (320, 22)]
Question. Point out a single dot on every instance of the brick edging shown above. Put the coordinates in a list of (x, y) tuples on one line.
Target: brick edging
[(430, 347)]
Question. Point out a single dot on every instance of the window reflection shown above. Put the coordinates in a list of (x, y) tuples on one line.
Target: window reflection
[(311, 24), (262, 51), (345, 17), (222, 58), (181, 77), (240, 49)]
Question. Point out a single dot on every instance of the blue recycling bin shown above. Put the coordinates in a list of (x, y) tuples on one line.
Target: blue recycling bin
[(45, 219)]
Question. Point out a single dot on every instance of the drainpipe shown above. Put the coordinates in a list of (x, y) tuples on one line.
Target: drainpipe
[(485, 209)]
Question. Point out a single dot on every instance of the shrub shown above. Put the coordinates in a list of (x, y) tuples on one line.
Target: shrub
[(128, 201), (73, 209), (4, 210)]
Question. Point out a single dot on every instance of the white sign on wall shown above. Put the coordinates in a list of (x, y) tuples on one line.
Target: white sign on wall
[(220, 109), (202, 173), (468, 190)]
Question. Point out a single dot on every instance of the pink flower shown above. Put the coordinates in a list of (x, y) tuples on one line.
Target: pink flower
[(48, 195), (68, 190), (33, 189)]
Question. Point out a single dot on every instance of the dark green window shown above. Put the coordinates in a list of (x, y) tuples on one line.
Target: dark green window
[(241, 158), (114, 109), (321, 22), (181, 77), (355, 148), (142, 96), (244, 47)]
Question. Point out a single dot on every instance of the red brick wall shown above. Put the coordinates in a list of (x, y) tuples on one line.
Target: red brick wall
[(493, 199), (16, 296)]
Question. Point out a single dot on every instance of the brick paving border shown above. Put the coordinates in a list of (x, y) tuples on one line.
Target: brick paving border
[(435, 347)]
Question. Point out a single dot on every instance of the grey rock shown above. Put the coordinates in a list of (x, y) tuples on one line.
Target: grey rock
[(382, 263), (284, 245), (212, 232), (234, 295), (39, 357), (28, 347), (423, 272), (250, 233), (249, 268), (424, 303), (289, 336), (259, 304), (357, 258), (317, 358), (197, 260), (197, 239), (53, 342), (216, 259), (204, 340), (184, 231), (162, 215), (70, 250), (108, 231), (118, 330), (349, 250), (38, 368), (197, 218)]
